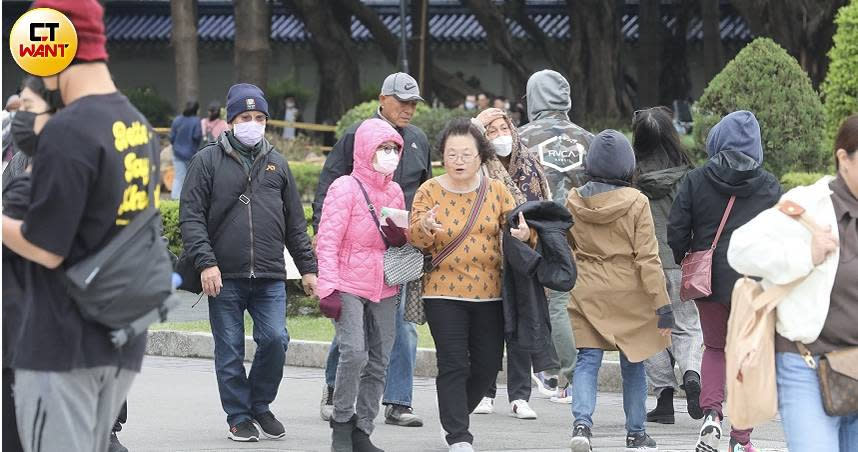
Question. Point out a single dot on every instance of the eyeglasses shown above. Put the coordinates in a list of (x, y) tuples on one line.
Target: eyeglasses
[(388, 149), (466, 158)]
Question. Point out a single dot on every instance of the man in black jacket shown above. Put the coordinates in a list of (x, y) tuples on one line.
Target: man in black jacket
[(239, 207), (398, 101)]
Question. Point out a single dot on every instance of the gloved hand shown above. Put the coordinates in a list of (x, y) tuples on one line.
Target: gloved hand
[(665, 317), (332, 305), (395, 235)]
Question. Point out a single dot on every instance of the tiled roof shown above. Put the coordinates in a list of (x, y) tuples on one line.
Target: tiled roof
[(443, 28)]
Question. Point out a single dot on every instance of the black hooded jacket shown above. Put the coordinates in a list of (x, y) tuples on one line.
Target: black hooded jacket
[(244, 239), (660, 187), (700, 204), (528, 271)]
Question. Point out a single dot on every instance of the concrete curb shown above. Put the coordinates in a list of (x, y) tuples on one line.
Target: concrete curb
[(180, 344)]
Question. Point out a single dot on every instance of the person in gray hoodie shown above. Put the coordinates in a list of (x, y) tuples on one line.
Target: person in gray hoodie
[(661, 165), (560, 146)]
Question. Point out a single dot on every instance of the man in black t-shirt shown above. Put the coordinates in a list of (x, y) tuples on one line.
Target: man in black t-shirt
[(92, 166)]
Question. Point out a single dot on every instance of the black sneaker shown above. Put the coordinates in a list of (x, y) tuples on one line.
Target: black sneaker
[(402, 416), (115, 445), (270, 426), (691, 385), (581, 436), (640, 442), (244, 432)]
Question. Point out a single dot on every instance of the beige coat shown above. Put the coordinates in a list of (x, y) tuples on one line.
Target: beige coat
[(620, 279)]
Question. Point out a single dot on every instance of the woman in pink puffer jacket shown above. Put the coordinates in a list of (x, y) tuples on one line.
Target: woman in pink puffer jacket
[(350, 251)]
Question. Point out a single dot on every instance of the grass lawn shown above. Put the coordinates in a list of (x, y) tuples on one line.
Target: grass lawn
[(300, 327)]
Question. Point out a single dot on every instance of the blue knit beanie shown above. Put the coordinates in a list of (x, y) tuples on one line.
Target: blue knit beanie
[(610, 157), (244, 97)]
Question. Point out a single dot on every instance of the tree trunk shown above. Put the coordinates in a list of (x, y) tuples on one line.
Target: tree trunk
[(503, 50), (713, 53), (805, 28), (675, 79), (252, 33), (598, 88), (649, 53), (448, 88), (330, 41), (184, 41)]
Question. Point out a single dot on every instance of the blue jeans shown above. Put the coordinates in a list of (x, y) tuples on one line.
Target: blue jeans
[(244, 396), (586, 387), (800, 406), (180, 170), (403, 358)]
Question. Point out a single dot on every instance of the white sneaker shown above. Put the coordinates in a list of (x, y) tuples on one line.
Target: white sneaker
[(545, 384), (521, 410), (563, 396), (486, 406), (461, 447)]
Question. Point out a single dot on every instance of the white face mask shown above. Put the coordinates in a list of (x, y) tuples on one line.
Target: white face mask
[(249, 133), (385, 163), (503, 145)]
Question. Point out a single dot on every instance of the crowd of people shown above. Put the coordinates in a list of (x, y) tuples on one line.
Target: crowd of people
[(544, 240)]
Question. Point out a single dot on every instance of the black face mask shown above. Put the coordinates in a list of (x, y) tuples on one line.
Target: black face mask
[(23, 135)]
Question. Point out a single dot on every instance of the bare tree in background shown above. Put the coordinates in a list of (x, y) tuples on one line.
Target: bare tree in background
[(596, 71), (184, 41), (805, 28), (675, 79), (649, 52), (331, 43), (713, 51), (501, 46), (448, 88), (252, 34)]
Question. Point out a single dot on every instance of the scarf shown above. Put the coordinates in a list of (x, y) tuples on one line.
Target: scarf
[(525, 178)]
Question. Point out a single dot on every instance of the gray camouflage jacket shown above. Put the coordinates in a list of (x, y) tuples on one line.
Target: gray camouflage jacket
[(560, 146)]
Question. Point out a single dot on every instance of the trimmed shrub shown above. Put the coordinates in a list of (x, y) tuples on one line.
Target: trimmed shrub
[(792, 180), (306, 177), (764, 79), (155, 108), (840, 88), (170, 216)]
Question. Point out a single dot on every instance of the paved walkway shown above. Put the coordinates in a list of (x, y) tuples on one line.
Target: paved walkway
[(173, 406)]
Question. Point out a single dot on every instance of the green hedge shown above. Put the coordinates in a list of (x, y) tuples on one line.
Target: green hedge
[(306, 177), (840, 89), (170, 216), (792, 180), (766, 80)]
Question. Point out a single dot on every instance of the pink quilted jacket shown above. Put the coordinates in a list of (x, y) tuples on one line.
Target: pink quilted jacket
[(349, 247)]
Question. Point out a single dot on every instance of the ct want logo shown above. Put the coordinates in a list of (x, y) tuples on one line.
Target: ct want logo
[(43, 42), (561, 153)]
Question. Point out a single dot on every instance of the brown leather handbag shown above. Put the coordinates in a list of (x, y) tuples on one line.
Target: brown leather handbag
[(838, 379), (697, 266)]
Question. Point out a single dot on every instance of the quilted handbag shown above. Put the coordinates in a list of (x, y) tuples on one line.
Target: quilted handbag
[(402, 264), (697, 266)]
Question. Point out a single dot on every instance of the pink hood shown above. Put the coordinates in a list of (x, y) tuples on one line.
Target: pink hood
[(368, 137), (349, 247)]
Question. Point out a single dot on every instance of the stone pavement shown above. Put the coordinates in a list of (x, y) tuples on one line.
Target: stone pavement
[(174, 406)]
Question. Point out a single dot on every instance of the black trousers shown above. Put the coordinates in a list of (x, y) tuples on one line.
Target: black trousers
[(11, 441), (469, 349), (518, 367), (122, 418)]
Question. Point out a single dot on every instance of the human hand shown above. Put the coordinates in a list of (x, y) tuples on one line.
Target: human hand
[(309, 283), (429, 222), (211, 281), (522, 232), (822, 244)]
